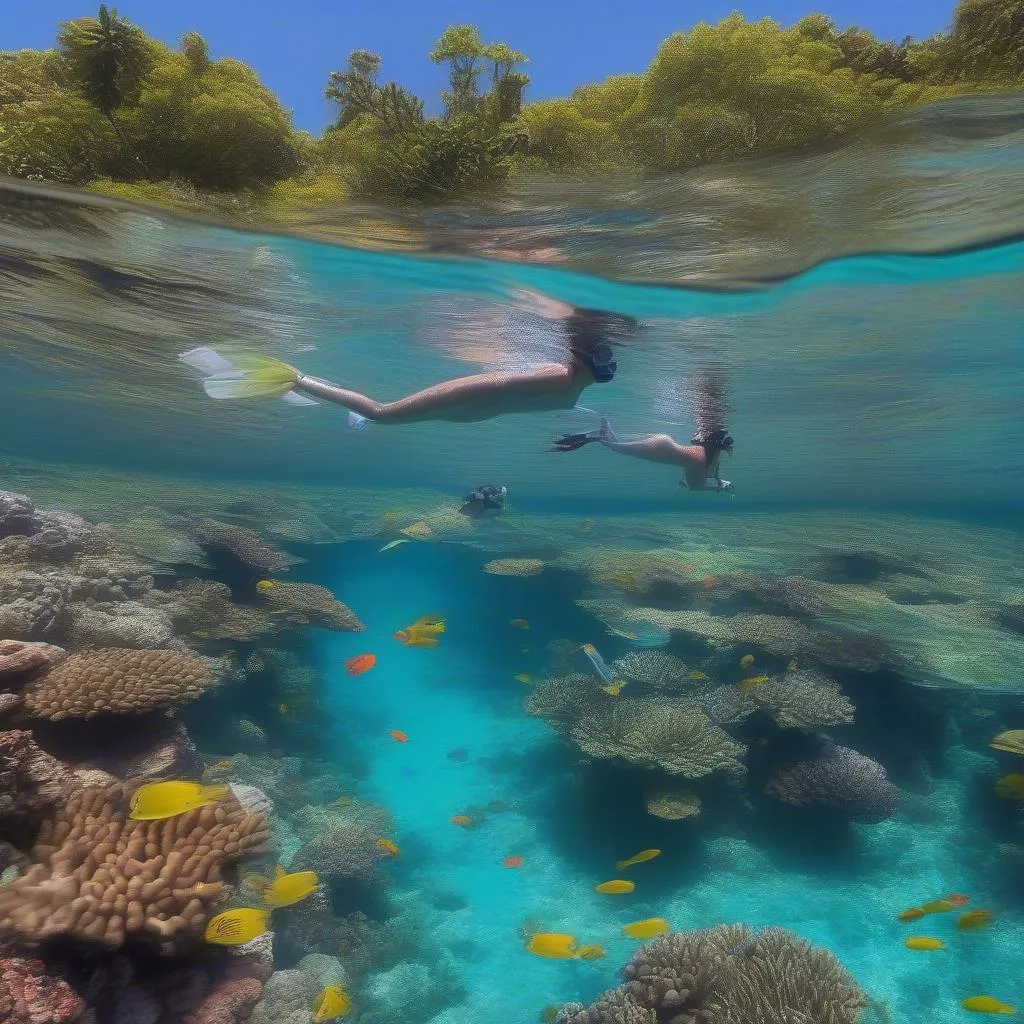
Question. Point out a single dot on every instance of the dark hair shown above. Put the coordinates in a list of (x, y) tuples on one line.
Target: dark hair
[(713, 441), (590, 332)]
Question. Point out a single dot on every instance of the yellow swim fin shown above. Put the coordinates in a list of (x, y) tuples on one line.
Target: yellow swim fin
[(246, 375)]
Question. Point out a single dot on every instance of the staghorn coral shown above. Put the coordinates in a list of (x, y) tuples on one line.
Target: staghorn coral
[(668, 735), (656, 669), (310, 604), (803, 699), (246, 545), (33, 606), (514, 567), (89, 683), (29, 994), (840, 778), (728, 975), (99, 876)]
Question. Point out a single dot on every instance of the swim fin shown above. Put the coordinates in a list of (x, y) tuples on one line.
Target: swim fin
[(249, 375)]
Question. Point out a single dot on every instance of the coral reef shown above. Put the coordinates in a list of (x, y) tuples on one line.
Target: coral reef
[(310, 604), (840, 778), (230, 1003), (727, 975), (672, 802), (112, 681), (514, 566), (30, 995), (32, 782), (289, 995), (803, 699), (656, 669), (17, 659), (345, 853), (99, 876), (244, 544)]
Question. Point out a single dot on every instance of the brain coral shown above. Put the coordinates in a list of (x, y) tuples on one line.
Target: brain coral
[(311, 604), (90, 683), (98, 876)]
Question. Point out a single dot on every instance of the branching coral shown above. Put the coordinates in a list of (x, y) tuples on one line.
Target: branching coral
[(307, 603), (839, 778), (803, 700), (90, 683), (728, 975), (99, 876)]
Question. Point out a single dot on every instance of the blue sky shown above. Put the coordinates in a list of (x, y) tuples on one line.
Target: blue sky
[(293, 45)]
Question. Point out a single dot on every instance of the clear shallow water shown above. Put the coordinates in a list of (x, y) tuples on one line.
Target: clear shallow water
[(876, 527)]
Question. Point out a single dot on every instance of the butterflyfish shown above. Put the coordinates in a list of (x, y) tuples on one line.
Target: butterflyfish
[(616, 887), (637, 858), (552, 945), (752, 683), (1012, 741), (649, 928), (333, 1002), (1011, 787), (158, 800), (287, 889), (987, 1004), (236, 927), (974, 920), (923, 943), (590, 952)]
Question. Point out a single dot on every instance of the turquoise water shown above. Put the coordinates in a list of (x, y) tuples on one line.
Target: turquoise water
[(873, 540)]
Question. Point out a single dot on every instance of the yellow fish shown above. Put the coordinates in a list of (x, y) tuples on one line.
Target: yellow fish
[(698, 677), (923, 943), (1011, 741), (614, 688), (394, 544), (752, 683), (429, 625), (343, 801), (590, 952), (286, 889), (167, 799), (616, 887), (987, 1004), (549, 1014), (264, 585), (637, 858), (387, 847), (626, 580), (552, 946), (938, 907), (519, 623), (236, 927), (646, 929), (523, 677), (746, 661), (1011, 787), (332, 1002), (974, 920)]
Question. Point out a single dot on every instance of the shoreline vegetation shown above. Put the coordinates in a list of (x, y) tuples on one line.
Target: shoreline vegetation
[(116, 112)]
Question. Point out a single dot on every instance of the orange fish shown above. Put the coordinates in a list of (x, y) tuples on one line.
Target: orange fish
[(360, 663), (513, 862), (913, 914), (398, 736), (387, 848), (462, 820)]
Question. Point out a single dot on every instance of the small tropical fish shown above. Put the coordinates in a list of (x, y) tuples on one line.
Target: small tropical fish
[(236, 927), (624, 633), (626, 580), (708, 582), (411, 637), (519, 623), (394, 544), (360, 663), (429, 624), (158, 800), (746, 661), (512, 862), (388, 848), (698, 677), (462, 820), (791, 667), (752, 683), (220, 766), (552, 946), (343, 801), (590, 952), (987, 1004), (287, 889), (958, 899), (974, 920), (616, 887), (264, 585), (637, 858), (923, 943), (1011, 787), (523, 677), (333, 1002), (398, 736), (912, 914), (646, 929), (1011, 741), (614, 689), (943, 906)]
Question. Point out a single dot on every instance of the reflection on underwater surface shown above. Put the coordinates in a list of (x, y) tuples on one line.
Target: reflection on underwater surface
[(805, 679)]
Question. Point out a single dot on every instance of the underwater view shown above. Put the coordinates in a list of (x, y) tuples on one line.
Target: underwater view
[(585, 592)]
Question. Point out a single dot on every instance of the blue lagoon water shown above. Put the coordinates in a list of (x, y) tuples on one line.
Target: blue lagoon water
[(872, 359)]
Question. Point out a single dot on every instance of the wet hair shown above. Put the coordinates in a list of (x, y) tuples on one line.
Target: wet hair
[(591, 333), (713, 440)]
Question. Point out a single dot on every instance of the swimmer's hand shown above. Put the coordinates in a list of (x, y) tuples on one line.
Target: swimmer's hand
[(726, 485)]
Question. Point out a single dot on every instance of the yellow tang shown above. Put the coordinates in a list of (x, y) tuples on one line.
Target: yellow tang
[(590, 952), (332, 1002), (523, 677), (236, 927), (264, 585), (616, 886), (987, 1004), (552, 946), (285, 890), (698, 677), (924, 943), (613, 689), (974, 920), (1012, 741), (752, 683), (646, 929), (166, 799), (638, 858), (1011, 787)]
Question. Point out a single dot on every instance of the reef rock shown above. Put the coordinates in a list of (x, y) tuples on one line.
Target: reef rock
[(19, 517), (33, 606), (19, 657), (32, 782), (231, 1002), (29, 995), (125, 624)]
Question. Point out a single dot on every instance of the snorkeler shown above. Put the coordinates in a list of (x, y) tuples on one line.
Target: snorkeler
[(484, 499), (589, 359)]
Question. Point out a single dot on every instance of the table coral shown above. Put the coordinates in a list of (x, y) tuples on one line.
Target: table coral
[(308, 603)]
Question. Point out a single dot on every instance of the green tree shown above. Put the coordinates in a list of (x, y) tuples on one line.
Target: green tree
[(106, 60), (356, 92), (505, 99), (462, 49), (987, 40)]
